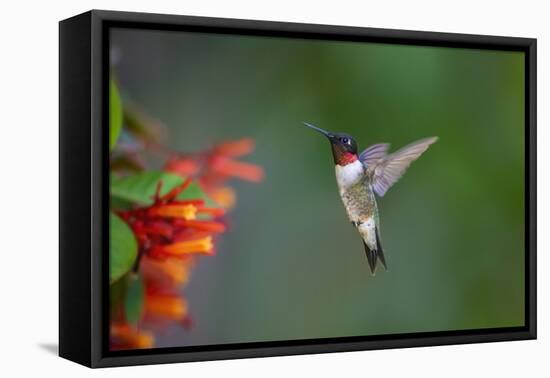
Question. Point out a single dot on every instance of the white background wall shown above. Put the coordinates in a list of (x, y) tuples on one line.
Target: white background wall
[(29, 188)]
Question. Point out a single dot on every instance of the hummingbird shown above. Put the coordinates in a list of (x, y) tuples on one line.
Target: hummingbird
[(360, 176)]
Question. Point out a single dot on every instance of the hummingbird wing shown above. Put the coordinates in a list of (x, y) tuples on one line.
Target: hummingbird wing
[(373, 153), (389, 169)]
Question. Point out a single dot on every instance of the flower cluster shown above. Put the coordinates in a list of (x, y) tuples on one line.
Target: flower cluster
[(156, 246), (172, 232), (170, 228)]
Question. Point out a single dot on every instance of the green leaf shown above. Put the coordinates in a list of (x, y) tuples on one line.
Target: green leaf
[(120, 204), (133, 305), (117, 293), (115, 114), (141, 188), (122, 248)]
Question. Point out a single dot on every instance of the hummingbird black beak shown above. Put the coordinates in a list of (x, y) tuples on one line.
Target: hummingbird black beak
[(324, 132)]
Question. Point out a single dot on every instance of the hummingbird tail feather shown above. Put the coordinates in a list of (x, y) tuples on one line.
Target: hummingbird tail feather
[(373, 255), (380, 250)]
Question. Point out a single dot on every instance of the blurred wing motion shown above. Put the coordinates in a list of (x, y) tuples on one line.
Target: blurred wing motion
[(374, 153), (387, 170)]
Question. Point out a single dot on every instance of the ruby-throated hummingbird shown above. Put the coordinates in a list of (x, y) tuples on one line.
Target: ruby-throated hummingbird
[(360, 176)]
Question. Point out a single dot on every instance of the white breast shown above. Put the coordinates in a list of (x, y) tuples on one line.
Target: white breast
[(349, 174)]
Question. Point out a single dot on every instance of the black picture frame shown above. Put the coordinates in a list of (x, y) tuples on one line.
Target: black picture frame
[(84, 188)]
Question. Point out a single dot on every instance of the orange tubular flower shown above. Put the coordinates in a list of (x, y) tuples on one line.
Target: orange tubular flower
[(183, 166), (183, 211), (213, 211), (166, 272), (224, 196), (168, 306), (201, 246), (125, 337), (236, 148), (232, 168), (208, 226)]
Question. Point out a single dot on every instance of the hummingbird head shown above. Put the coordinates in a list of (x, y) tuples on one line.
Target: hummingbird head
[(344, 147)]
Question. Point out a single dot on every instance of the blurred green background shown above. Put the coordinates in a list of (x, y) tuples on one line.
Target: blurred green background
[(292, 267)]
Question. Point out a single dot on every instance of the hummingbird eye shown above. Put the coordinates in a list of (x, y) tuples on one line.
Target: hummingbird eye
[(344, 140)]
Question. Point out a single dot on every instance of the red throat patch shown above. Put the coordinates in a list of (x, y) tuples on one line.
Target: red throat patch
[(346, 158)]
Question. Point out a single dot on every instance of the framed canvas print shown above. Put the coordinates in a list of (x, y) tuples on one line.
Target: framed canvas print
[(234, 188)]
